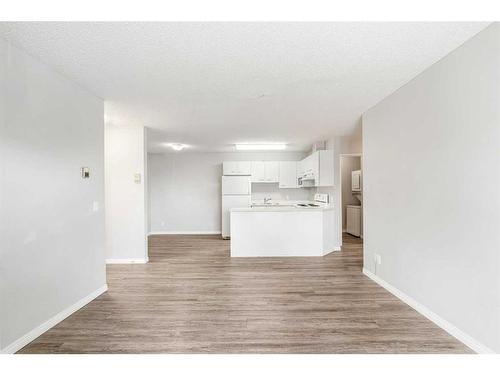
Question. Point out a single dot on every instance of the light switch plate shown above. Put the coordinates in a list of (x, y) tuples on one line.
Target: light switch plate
[(137, 178)]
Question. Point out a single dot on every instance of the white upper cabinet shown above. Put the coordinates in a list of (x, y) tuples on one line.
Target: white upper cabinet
[(288, 174), (237, 168), (265, 171), (272, 171), (258, 171), (317, 167), (300, 168), (325, 175), (356, 181)]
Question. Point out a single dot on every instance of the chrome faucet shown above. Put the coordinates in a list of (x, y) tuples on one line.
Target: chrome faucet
[(267, 199)]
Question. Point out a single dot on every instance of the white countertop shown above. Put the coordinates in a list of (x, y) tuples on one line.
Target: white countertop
[(281, 208)]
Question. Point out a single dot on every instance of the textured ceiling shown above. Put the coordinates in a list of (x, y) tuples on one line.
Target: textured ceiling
[(213, 84)]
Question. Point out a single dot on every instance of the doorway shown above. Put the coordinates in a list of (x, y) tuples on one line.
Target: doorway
[(351, 194)]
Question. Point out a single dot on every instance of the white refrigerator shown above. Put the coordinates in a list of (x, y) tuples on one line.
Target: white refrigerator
[(236, 193)]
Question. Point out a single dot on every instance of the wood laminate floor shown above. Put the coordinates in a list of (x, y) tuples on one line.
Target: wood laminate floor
[(193, 298)]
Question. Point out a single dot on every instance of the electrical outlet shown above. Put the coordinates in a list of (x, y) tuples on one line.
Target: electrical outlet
[(378, 259)]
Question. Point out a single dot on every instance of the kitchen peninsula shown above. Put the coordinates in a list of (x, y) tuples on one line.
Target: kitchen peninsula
[(283, 230)]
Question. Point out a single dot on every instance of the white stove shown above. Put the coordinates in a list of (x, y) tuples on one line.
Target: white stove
[(320, 200)]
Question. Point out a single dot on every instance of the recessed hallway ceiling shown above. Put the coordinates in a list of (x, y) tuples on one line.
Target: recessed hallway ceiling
[(210, 85)]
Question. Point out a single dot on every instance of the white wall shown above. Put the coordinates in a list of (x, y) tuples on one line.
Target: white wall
[(185, 188), (347, 165), (52, 241), (437, 227), (126, 205)]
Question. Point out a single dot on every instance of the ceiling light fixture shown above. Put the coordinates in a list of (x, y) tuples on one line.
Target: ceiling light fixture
[(260, 146), (177, 146)]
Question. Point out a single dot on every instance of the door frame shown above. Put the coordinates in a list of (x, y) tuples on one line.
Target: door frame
[(341, 208)]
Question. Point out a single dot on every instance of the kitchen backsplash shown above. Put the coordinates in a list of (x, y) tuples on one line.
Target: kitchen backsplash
[(261, 191)]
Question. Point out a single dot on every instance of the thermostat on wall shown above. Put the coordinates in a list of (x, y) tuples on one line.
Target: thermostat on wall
[(85, 172), (137, 178)]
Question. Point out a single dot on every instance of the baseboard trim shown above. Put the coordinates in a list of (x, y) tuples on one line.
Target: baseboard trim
[(187, 232), (44, 327), (432, 316), (127, 261)]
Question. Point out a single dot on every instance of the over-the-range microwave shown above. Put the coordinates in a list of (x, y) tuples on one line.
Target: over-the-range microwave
[(306, 180)]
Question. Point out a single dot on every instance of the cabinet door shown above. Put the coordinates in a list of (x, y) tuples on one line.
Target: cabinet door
[(245, 168), (300, 168), (288, 174), (258, 171), (355, 181), (325, 168), (230, 168), (236, 168), (306, 165), (313, 167), (272, 171)]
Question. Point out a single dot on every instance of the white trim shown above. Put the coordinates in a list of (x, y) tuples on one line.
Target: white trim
[(360, 154), (44, 327), (127, 261), (335, 248), (187, 232), (432, 316)]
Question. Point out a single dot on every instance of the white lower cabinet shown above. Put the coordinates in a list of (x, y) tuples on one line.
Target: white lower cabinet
[(353, 220)]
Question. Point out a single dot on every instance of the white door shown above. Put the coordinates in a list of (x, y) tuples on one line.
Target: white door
[(228, 202), (235, 185)]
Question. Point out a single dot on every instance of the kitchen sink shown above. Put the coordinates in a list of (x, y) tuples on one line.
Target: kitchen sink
[(271, 205)]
